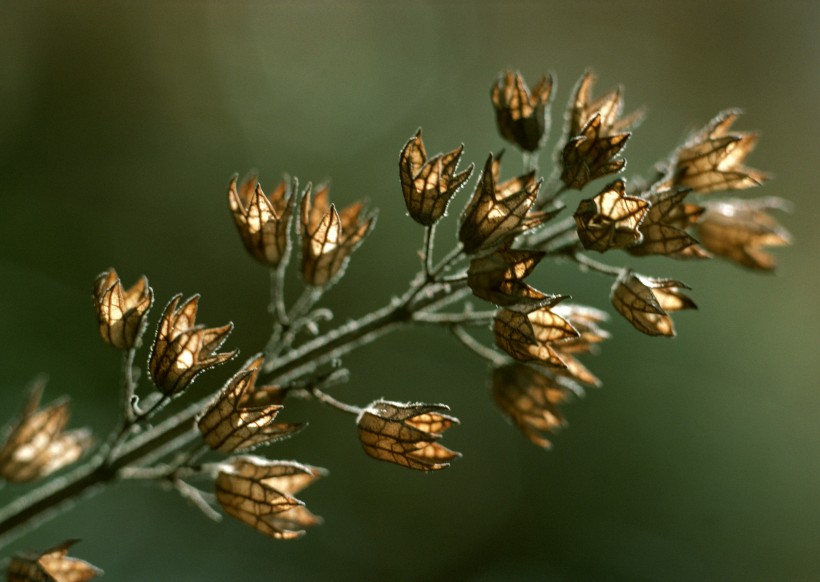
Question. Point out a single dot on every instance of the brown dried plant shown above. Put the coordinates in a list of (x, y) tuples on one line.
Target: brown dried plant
[(506, 231)]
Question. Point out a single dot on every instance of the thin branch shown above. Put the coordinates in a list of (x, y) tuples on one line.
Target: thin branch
[(466, 318), (474, 345), (594, 265), (326, 398)]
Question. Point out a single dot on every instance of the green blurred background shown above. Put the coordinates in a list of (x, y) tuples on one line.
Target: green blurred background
[(119, 128)]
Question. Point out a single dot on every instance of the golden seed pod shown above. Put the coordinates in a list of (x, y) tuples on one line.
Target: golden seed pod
[(429, 184), (120, 312), (530, 400), (329, 237), (37, 444), (712, 158), (533, 336), (522, 115), (645, 302), (259, 493), (406, 434), (739, 230), (497, 213), (499, 277), (611, 219), (52, 565), (263, 221), (183, 350), (664, 226), (231, 423)]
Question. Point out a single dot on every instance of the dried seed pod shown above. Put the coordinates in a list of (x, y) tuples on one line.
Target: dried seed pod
[(738, 230), (406, 434), (499, 277), (611, 219), (429, 184), (52, 565), (329, 237), (37, 445), (230, 424), (585, 320), (121, 313), (532, 336), (496, 212), (522, 116), (646, 301), (183, 350), (592, 154), (530, 400), (263, 221), (712, 158), (664, 226), (259, 493), (609, 107)]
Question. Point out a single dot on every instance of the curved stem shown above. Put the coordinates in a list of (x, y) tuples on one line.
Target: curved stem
[(337, 404), (594, 265)]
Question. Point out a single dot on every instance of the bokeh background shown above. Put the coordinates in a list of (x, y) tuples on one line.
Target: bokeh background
[(119, 128)]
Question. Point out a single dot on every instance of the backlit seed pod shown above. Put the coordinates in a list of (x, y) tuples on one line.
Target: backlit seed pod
[(592, 154), (645, 302), (712, 158), (609, 107), (611, 219), (429, 184), (230, 424), (499, 277), (121, 313), (36, 444), (259, 493), (738, 230), (263, 221), (406, 434), (522, 116), (530, 400), (497, 212), (585, 321), (183, 350), (664, 226), (533, 336), (52, 565), (329, 237)]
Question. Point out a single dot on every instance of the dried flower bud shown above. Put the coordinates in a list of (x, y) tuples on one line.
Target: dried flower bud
[(229, 424), (183, 350), (712, 158), (406, 434), (120, 313), (499, 277), (329, 237), (532, 336), (611, 219), (36, 445), (592, 154), (522, 117), (259, 493), (263, 221), (530, 400), (428, 185), (739, 229), (52, 565), (496, 212), (646, 301), (664, 226), (610, 107)]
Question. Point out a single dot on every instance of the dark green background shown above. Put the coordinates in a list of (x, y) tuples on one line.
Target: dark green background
[(120, 125)]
